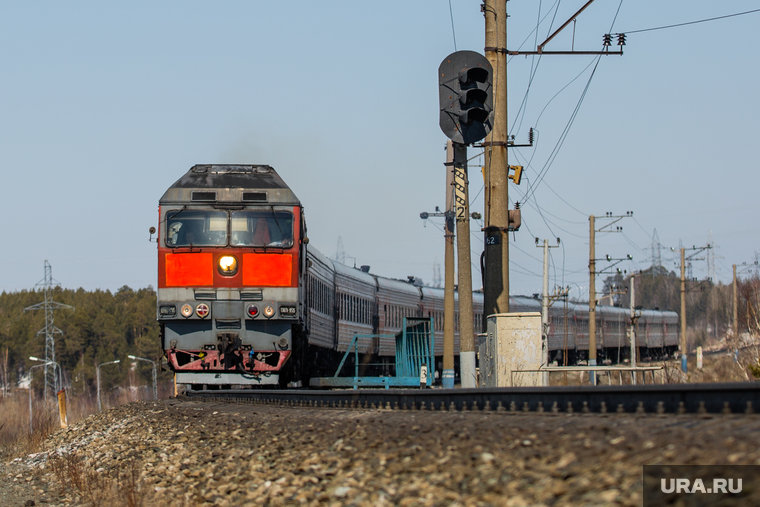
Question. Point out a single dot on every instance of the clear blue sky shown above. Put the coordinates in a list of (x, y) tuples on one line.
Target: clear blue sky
[(104, 105)]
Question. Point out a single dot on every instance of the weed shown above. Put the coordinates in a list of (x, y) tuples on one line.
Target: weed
[(97, 486)]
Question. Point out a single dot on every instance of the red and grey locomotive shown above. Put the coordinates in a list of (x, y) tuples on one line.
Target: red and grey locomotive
[(231, 253)]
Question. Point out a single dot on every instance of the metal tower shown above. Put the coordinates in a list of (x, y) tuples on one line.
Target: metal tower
[(710, 257), (656, 250), (340, 253), (49, 331), (437, 274)]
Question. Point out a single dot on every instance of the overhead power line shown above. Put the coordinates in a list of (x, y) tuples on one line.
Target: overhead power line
[(692, 22)]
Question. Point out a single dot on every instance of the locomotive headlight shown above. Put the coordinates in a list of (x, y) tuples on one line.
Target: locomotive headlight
[(186, 311), (268, 311), (228, 265)]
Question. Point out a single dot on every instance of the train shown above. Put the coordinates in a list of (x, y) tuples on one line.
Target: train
[(245, 300)]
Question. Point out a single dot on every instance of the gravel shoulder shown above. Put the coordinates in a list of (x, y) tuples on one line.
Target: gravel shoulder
[(194, 452)]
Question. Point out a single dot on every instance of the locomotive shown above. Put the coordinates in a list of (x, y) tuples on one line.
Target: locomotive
[(244, 300)]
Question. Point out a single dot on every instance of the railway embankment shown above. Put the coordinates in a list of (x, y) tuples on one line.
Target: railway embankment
[(194, 452)]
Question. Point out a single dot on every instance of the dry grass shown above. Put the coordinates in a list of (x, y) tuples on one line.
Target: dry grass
[(16, 439), (15, 436), (97, 487)]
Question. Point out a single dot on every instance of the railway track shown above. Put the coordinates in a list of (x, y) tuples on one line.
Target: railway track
[(733, 398)]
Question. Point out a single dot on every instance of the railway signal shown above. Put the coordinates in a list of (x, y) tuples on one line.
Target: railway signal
[(465, 93)]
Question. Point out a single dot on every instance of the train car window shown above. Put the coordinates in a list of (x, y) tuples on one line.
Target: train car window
[(261, 228), (196, 228)]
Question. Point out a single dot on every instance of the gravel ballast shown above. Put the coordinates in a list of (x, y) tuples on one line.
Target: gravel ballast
[(194, 452)]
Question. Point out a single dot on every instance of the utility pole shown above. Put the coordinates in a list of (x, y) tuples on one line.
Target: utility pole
[(634, 320), (592, 299), (684, 367), (496, 227), (736, 306), (462, 212), (592, 281), (457, 208), (545, 312), (684, 345), (447, 376)]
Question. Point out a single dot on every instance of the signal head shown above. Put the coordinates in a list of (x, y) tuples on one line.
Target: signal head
[(465, 95)]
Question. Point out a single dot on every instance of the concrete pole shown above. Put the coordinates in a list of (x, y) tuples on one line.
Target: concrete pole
[(736, 307), (633, 328), (155, 382), (466, 327), (592, 298), (545, 316), (447, 377), (31, 427), (496, 286), (97, 376), (684, 367)]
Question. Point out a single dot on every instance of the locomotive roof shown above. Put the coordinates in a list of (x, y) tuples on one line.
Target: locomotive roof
[(227, 183)]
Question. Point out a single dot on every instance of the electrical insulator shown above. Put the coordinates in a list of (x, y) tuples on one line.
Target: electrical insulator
[(530, 136), (621, 39), (607, 39)]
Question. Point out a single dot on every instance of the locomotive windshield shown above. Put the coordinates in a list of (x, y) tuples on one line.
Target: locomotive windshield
[(248, 228), (262, 228), (196, 228)]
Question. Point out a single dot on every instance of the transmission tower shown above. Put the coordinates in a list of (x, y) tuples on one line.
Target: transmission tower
[(437, 274), (340, 253), (49, 331), (710, 257), (656, 251)]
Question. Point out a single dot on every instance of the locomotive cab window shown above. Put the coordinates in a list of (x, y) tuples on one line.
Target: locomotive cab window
[(196, 228), (262, 228), (247, 228)]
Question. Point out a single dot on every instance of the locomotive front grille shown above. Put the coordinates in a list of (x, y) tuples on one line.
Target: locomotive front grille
[(228, 323), (254, 295)]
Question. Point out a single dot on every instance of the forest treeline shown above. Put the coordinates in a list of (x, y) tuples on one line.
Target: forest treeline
[(102, 326)]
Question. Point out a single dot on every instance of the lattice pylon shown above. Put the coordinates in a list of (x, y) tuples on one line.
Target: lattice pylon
[(52, 384)]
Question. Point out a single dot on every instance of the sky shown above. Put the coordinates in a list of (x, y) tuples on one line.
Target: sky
[(103, 105)]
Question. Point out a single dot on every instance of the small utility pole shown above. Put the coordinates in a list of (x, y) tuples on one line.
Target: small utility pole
[(592, 280), (684, 367), (592, 298), (736, 306), (447, 376), (634, 349), (684, 345), (545, 311)]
